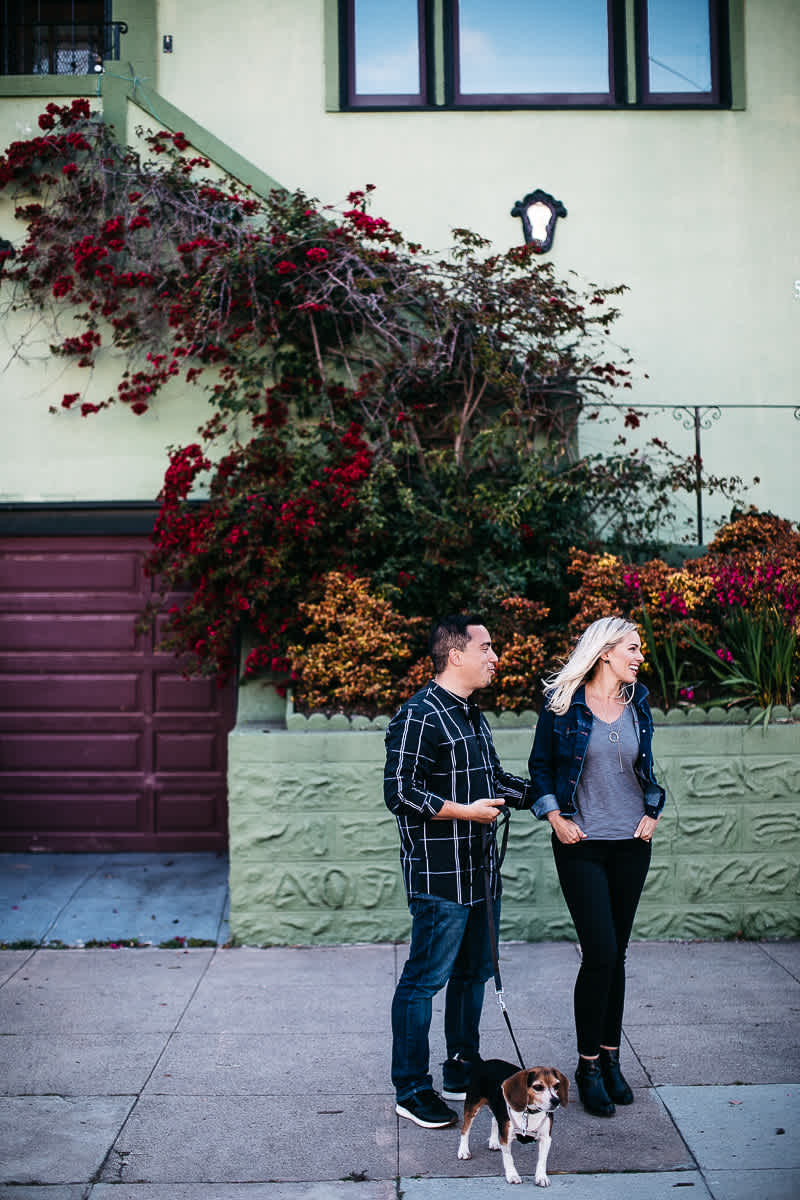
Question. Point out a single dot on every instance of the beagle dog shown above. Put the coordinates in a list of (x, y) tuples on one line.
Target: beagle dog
[(522, 1105)]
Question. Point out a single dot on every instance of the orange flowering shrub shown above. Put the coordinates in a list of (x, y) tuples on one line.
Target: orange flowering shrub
[(518, 631), (355, 651), (360, 655)]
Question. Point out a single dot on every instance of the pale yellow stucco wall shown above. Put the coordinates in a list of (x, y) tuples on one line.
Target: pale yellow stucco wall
[(695, 211), (60, 456)]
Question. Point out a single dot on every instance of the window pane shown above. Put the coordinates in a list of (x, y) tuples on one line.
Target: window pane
[(387, 48), (530, 47), (679, 45)]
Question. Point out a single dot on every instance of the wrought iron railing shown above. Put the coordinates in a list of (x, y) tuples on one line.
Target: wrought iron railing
[(58, 47), (696, 418)]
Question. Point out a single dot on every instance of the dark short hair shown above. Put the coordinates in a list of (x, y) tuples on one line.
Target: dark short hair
[(450, 633)]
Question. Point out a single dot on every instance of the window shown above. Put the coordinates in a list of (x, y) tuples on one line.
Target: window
[(533, 53), (56, 37), (386, 53), (678, 53)]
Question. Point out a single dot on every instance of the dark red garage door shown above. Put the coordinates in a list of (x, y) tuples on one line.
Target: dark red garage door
[(103, 744)]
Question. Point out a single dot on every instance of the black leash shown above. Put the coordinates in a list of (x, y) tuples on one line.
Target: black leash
[(488, 835)]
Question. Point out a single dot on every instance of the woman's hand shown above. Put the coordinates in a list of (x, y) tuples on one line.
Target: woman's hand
[(565, 830), (646, 828)]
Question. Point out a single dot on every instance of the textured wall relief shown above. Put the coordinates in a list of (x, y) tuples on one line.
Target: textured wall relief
[(711, 779), (751, 876), (769, 778), (774, 827), (293, 836), (519, 884), (705, 828), (379, 835), (335, 887)]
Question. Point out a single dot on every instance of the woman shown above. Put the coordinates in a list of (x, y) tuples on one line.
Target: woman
[(592, 770)]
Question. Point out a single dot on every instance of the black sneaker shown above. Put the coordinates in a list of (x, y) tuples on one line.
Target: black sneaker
[(455, 1077), (428, 1109)]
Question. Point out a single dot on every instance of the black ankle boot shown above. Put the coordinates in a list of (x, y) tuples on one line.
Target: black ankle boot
[(591, 1088), (616, 1083)]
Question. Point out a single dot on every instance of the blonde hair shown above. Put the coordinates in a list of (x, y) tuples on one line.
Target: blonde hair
[(599, 637)]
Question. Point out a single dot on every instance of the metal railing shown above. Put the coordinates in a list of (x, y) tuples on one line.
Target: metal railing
[(697, 418), (58, 47)]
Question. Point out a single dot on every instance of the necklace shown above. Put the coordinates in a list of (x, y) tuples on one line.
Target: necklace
[(613, 735), (614, 729)]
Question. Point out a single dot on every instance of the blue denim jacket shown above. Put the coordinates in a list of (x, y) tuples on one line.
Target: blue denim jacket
[(559, 748)]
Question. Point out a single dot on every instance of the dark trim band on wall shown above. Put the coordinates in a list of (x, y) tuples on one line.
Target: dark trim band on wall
[(71, 519)]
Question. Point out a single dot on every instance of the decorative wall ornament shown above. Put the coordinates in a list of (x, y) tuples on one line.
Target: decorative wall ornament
[(539, 212)]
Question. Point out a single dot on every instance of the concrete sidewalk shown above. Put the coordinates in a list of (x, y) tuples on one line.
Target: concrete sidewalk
[(262, 1074), (147, 899)]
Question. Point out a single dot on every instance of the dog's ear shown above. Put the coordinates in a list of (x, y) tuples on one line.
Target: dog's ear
[(515, 1089), (563, 1088)]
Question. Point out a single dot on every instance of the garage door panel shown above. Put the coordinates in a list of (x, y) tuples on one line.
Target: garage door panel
[(187, 810), (51, 573), (174, 694), (79, 751), (67, 693), (68, 633), (73, 812), (177, 751), (103, 744)]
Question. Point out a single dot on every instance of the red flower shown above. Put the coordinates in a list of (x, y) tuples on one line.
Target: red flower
[(69, 169), (316, 254), (285, 268)]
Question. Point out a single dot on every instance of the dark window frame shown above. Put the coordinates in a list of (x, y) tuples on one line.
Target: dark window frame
[(608, 99), (719, 52), (360, 100), (13, 14), (628, 68)]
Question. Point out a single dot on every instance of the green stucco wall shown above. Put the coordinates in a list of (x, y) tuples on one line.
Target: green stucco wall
[(314, 852)]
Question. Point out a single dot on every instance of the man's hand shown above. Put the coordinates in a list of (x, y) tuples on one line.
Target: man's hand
[(484, 811)]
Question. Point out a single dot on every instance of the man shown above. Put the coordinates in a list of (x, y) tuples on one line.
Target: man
[(445, 785)]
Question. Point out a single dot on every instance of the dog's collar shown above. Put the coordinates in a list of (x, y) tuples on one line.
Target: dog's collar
[(520, 1119)]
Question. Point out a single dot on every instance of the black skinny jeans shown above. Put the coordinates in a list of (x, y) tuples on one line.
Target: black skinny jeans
[(602, 882)]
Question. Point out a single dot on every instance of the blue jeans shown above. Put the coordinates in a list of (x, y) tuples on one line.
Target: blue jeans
[(449, 945)]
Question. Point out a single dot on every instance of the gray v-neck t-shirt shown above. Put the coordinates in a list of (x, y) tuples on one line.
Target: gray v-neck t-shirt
[(609, 797)]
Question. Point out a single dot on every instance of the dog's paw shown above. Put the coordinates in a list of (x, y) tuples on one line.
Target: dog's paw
[(541, 1180), (463, 1152), (513, 1177)]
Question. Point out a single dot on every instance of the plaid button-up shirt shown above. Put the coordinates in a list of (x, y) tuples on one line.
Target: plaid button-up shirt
[(439, 747)]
